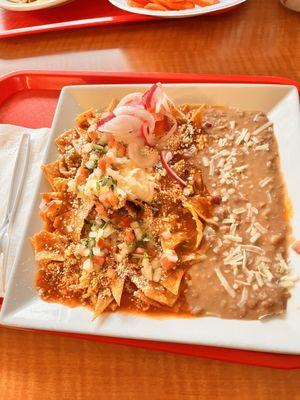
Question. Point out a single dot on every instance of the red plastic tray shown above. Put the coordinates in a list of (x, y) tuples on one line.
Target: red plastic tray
[(29, 99), (76, 14)]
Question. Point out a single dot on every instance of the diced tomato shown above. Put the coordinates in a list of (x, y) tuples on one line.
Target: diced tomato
[(121, 150), (101, 243), (166, 263), (129, 237), (106, 202), (104, 243), (102, 165), (82, 174), (125, 221), (99, 260), (101, 210), (113, 199), (111, 142), (107, 243)]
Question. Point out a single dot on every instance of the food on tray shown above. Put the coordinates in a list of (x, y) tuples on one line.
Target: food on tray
[(175, 208), (23, 1), (171, 5)]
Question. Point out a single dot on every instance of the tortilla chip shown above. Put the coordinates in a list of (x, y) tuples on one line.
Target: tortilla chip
[(49, 196), (140, 295), (203, 206), (51, 172), (176, 112), (82, 119), (64, 141), (60, 184), (197, 116), (52, 210), (54, 204), (173, 281), (103, 301), (175, 239), (71, 222), (64, 169), (158, 293), (49, 246), (117, 289)]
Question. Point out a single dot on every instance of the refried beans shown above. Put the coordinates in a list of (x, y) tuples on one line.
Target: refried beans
[(243, 269)]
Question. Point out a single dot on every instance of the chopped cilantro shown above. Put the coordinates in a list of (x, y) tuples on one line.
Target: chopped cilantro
[(108, 180), (99, 147), (88, 242), (105, 224), (145, 238)]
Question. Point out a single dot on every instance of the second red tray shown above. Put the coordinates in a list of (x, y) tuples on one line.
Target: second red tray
[(77, 14), (29, 99)]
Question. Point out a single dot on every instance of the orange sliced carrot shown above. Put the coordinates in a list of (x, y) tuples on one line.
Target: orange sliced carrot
[(134, 4), (155, 7), (205, 3), (182, 5), (141, 2)]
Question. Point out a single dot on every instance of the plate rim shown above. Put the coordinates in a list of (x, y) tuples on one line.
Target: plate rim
[(7, 5)]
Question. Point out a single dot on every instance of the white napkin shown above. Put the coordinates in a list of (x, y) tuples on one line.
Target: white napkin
[(10, 136)]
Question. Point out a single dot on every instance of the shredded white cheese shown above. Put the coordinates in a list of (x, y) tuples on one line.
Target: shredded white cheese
[(224, 283)]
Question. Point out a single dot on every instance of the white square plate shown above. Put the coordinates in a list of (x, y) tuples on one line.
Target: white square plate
[(22, 306)]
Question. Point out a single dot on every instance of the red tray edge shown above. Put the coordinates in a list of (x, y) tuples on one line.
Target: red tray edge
[(92, 22), (24, 80), (75, 24)]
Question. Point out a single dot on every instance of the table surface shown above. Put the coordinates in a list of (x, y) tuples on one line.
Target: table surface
[(260, 37)]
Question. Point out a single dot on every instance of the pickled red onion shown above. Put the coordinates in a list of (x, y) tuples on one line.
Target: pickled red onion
[(147, 135), (148, 96), (142, 114), (132, 99), (105, 119), (125, 128), (165, 158)]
